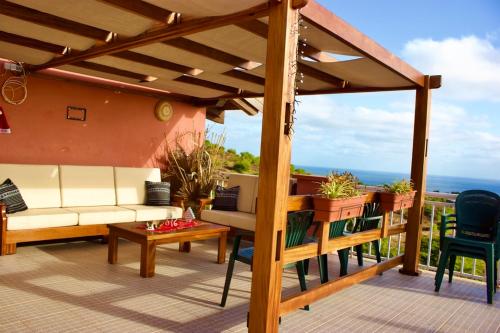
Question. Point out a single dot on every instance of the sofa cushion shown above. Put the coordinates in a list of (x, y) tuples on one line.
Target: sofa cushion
[(241, 220), (149, 213), (38, 184), (130, 188), (34, 218), (87, 186), (226, 198), (11, 197), (157, 193), (247, 195), (103, 214)]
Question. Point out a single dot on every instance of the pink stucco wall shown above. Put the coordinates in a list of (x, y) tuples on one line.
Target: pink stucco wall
[(120, 130)]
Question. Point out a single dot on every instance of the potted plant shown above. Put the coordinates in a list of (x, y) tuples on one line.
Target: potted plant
[(339, 198), (397, 195)]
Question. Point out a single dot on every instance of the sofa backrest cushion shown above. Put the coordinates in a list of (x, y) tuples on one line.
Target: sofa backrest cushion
[(38, 184), (130, 184), (87, 186), (248, 186)]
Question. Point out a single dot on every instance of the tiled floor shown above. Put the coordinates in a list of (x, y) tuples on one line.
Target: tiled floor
[(71, 288)]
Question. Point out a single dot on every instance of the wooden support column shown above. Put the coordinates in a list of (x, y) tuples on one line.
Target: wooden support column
[(274, 172), (418, 176)]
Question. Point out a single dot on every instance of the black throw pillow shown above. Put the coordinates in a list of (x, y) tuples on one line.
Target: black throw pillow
[(157, 193), (226, 198), (11, 197)]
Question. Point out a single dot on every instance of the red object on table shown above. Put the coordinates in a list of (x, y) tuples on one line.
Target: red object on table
[(173, 225)]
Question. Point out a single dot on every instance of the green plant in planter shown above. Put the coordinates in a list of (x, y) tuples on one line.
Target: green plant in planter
[(399, 187), (338, 198), (397, 195), (340, 185)]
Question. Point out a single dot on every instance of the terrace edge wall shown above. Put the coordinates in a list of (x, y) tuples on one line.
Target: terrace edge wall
[(120, 129)]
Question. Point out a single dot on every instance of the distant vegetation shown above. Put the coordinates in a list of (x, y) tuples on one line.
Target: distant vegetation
[(246, 162)]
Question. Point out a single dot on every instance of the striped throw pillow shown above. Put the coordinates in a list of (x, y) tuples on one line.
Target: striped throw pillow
[(157, 193), (11, 197), (226, 198)]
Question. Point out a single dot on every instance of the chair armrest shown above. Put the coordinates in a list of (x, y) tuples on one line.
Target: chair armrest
[(178, 201)]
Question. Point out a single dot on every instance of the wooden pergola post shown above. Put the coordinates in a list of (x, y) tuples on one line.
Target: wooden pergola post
[(274, 172), (418, 175)]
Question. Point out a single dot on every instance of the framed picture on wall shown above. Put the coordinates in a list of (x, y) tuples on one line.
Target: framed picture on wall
[(76, 113)]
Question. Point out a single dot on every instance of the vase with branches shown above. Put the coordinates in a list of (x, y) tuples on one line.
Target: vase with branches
[(195, 164)]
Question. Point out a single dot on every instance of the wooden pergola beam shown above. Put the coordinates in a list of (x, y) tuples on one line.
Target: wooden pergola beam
[(274, 172), (143, 9), (320, 17), (212, 53), (152, 61), (52, 21), (319, 75), (261, 29), (161, 34), (241, 75), (112, 70), (207, 84), (421, 128), (32, 43)]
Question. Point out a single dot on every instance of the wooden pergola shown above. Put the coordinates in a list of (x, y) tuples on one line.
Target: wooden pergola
[(203, 53)]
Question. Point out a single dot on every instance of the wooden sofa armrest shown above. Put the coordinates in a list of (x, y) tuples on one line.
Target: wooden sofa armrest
[(3, 228)]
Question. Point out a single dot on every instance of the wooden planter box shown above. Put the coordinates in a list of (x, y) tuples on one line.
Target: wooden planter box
[(391, 201), (338, 209)]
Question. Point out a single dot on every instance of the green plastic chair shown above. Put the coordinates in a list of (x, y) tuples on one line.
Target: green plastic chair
[(297, 225), (370, 219), (476, 225)]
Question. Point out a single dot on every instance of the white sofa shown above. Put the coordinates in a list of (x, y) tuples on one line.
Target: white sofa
[(66, 201), (244, 218)]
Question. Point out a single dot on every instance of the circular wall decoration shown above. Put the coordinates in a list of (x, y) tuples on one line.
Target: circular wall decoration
[(164, 111)]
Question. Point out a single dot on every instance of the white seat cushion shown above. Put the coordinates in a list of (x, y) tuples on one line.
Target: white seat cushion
[(149, 213), (87, 186), (35, 218), (103, 214), (38, 184), (241, 220), (130, 187)]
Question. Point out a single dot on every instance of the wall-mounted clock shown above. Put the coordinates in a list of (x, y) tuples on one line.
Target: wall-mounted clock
[(164, 111)]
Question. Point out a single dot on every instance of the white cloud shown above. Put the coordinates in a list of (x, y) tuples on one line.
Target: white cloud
[(470, 66), (337, 135)]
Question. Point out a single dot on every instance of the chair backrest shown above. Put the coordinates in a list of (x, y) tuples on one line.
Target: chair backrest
[(478, 213), (297, 225)]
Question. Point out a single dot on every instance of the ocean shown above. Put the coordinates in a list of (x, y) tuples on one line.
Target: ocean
[(435, 183)]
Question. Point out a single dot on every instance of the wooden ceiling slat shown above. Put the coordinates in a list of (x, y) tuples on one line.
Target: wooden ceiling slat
[(261, 29), (31, 43), (207, 84), (245, 76), (320, 17), (161, 34), (142, 8), (52, 21), (110, 70), (317, 74), (210, 52), (152, 61)]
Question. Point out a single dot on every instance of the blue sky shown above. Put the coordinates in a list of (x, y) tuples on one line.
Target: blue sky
[(456, 38)]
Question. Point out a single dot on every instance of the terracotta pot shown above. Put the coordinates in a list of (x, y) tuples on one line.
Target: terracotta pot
[(392, 201), (338, 209)]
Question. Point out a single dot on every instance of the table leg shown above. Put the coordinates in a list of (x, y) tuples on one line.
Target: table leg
[(148, 255), (112, 248), (185, 247), (221, 255)]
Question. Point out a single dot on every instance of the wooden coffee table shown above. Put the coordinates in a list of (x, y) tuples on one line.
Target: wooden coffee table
[(149, 240)]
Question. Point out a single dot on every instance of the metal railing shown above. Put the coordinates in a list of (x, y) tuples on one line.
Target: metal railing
[(436, 204)]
